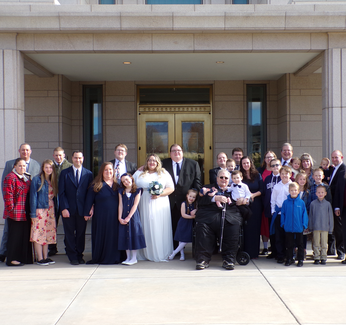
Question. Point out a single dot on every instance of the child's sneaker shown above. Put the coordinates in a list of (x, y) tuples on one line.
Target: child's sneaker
[(323, 262), (317, 262), (42, 262), (49, 261)]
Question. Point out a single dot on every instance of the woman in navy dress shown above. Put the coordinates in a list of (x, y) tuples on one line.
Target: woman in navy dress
[(131, 236), (252, 230), (103, 194)]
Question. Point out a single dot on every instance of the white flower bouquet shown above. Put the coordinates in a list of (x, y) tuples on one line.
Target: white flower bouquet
[(155, 188)]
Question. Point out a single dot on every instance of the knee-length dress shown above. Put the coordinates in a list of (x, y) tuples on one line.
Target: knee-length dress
[(253, 228), (43, 227), (184, 227), (155, 217), (131, 235), (105, 225)]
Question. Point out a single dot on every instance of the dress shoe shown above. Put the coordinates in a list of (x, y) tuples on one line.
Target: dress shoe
[(317, 262), (52, 252), (74, 262), (323, 262), (280, 260), (270, 256), (228, 265), (202, 265), (81, 261), (343, 262), (264, 251), (300, 263), (289, 262), (341, 257), (2, 258)]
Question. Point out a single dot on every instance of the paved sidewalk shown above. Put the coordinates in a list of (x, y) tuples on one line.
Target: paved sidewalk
[(263, 292)]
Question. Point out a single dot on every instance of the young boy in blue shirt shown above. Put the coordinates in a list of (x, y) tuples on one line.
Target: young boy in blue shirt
[(294, 219)]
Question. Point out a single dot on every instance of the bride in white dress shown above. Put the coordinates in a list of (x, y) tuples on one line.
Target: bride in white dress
[(155, 211)]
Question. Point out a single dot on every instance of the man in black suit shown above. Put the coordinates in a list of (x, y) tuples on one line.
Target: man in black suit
[(286, 153), (121, 165), (335, 184), (186, 174), (237, 155), (221, 161), (73, 186)]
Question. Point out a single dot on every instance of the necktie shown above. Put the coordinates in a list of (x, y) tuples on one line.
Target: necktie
[(117, 171), (235, 185), (178, 169), (77, 177), (284, 163)]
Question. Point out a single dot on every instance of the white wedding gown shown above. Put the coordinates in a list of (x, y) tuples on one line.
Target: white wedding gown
[(155, 218)]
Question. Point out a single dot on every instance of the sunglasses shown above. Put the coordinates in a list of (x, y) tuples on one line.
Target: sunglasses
[(276, 165), (224, 177)]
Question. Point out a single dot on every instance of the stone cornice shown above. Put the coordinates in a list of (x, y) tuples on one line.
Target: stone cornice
[(142, 18)]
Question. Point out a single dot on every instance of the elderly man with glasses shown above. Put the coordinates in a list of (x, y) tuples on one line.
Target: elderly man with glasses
[(210, 226)]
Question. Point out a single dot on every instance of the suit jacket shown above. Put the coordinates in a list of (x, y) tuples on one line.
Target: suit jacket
[(190, 177), (130, 166), (58, 169), (72, 196), (213, 175), (337, 187), (33, 170), (208, 211)]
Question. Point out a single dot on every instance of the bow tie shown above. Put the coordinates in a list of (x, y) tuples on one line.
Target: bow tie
[(235, 185)]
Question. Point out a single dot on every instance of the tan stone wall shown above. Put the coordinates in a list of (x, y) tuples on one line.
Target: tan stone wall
[(48, 115), (300, 114), (229, 117), (120, 119)]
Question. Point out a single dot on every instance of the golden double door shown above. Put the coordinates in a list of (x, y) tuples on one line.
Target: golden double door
[(189, 126)]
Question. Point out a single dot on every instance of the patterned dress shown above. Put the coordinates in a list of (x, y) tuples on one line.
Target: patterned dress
[(43, 227)]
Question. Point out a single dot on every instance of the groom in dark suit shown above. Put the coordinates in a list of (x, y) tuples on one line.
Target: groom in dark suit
[(221, 161), (73, 185), (121, 165), (336, 185), (186, 174)]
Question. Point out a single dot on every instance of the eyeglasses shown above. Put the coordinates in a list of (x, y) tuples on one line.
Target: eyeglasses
[(271, 157), (276, 165), (178, 150), (224, 177)]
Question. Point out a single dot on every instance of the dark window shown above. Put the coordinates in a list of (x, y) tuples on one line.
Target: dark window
[(256, 125), (92, 131), (174, 2), (106, 2), (174, 95)]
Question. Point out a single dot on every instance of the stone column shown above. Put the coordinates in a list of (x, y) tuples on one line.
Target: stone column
[(11, 100), (334, 101)]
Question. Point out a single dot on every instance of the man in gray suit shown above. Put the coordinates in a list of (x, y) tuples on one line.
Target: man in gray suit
[(32, 169)]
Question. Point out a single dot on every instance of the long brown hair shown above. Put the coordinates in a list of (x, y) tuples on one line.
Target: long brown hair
[(253, 170), (133, 187), (52, 177), (97, 183)]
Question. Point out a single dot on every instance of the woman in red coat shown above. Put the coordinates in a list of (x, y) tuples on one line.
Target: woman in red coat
[(16, 188)]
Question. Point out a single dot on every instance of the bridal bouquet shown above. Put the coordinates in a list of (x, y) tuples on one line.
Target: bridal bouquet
[(155, 188)]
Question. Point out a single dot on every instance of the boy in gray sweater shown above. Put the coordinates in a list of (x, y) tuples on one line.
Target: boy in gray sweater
[(321, 223)]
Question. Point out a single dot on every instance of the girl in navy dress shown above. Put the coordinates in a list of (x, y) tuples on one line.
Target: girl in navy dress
[(183, 233), (131, 236)]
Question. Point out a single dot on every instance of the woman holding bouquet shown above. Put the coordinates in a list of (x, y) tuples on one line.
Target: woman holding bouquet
[(154, 209)]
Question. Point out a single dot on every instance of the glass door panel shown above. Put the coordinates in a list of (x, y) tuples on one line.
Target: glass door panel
[(193, 132), (156, 134)]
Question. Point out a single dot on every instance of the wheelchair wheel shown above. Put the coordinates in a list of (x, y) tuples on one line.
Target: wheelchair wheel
[(243, 258)]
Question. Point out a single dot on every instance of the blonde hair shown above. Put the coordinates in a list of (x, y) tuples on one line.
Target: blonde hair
[(159, 168), (51, 177), (293, 184)]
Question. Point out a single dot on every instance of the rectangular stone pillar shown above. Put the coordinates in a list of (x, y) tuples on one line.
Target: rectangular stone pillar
[(11, 102), (334, 101)]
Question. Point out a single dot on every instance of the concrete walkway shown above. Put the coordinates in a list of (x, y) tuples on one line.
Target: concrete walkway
[(263, 292)]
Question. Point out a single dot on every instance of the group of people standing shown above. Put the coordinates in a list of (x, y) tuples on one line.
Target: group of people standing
[(131, 222)]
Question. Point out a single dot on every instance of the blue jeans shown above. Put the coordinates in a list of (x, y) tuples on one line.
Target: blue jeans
[(3, 247)]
